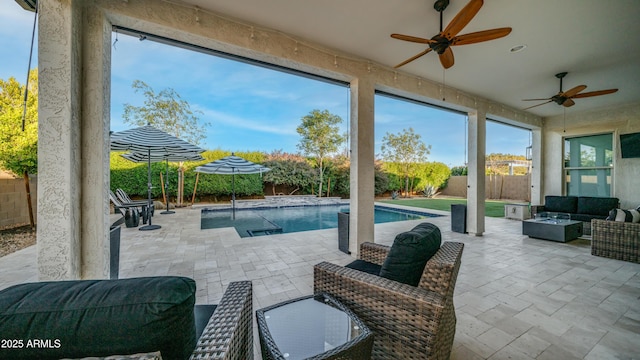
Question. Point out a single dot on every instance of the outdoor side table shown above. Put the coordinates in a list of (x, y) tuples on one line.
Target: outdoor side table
[(312, 327)]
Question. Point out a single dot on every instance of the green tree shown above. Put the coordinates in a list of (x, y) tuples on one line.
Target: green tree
[(170, 113), (18, 147), (320, 138), (407, 150)]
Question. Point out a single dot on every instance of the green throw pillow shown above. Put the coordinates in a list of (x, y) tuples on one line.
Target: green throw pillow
[(410, 252)]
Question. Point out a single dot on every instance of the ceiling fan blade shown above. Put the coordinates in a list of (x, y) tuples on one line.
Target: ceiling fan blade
[(480, 36), (413, 58), (595, 93), (462, 18), (572, 92), (414, 39), (568, 103), (536, 99), (446, 58), (530, 107)]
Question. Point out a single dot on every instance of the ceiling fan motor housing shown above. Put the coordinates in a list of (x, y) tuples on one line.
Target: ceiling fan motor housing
[(440, 45), (559, 99)]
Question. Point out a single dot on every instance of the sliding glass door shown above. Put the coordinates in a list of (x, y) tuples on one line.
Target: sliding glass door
[(588, 165)]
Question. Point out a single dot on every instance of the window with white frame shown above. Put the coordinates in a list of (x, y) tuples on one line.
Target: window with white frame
[(588, 165)]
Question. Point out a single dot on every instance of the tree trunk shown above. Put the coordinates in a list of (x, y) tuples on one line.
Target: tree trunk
[(320, 186), (406, 186), (28, 189)]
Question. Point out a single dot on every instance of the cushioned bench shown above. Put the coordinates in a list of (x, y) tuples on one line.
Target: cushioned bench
[(100, 318)]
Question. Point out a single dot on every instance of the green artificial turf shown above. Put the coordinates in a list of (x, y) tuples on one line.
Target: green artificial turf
[(493, 208)]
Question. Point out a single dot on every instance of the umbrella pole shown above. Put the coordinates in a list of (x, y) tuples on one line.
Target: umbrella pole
[(195, 186), (166, 189), (149, 202), (233, 194)]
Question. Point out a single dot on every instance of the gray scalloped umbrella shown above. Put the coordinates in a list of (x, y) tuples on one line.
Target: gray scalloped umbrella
[(232, 165), (148, 139), (155, 157)]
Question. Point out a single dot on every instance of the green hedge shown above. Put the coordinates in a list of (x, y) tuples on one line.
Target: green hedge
[(132, 177)]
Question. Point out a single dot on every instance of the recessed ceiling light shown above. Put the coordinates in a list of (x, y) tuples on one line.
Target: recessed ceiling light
[(517, 48)]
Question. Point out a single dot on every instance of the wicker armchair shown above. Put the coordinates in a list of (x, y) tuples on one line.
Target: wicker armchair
[(229, 333), (615, 240), (408, 322)]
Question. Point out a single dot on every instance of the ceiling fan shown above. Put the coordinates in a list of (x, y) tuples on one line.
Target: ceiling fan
[(566, 98), (442, 42)]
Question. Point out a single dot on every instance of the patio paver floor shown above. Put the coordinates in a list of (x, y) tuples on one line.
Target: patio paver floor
[(515, 298)]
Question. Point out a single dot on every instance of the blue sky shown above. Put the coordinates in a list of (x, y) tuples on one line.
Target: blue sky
[(250, 107)]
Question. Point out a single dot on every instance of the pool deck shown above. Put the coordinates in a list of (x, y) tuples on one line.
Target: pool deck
[(516, 297)]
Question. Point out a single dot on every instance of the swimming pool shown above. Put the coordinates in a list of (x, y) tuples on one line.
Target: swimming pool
[(267, 221)]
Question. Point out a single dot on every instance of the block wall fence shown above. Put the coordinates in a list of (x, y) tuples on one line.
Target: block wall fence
[(14, 209)]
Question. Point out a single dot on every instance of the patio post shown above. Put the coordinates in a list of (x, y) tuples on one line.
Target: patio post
[(477, 129), (361, 225)]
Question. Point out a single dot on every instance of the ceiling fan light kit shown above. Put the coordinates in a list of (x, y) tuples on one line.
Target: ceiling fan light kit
[(441, 43)]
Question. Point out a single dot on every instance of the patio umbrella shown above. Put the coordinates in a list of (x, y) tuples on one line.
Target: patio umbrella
[(157, 157), (232, 165), (152, 141)]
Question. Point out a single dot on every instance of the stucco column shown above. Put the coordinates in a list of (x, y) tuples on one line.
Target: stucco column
[(72, 170), (536, 167), (362, 183), (96, 122), (477, 130)]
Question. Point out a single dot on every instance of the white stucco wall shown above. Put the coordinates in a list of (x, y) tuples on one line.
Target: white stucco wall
[(616, 120)]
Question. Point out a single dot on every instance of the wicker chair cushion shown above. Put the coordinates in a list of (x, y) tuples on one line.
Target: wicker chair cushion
[(368, 267), (631, 215), (101, 317), (410, 252)]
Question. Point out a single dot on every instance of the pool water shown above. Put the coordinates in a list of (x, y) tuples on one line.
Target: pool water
[(267, 221)]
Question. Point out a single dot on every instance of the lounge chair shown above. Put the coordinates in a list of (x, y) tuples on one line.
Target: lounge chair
[(124, 197), (138, 209), (143, 204)]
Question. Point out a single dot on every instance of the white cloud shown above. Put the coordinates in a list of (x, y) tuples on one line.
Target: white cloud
[(264, 126)]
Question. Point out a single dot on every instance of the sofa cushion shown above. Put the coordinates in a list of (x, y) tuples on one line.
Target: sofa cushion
[(596, 205), (631, 215), (563, 204), (410, 252), (100, 317), (586, 218)]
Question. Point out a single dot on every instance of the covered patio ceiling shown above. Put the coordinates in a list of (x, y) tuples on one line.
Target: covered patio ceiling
[(594, 40)]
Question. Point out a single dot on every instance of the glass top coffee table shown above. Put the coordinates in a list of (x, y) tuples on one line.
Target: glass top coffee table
[(312, 327), (552, 226)]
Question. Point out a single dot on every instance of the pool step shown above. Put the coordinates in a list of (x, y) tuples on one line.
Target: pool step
[(268, 231)]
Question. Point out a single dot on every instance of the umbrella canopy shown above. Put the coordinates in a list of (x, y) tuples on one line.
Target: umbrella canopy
[(155, 157), (148, 139), (152, 141), (232, 165), (158, 157)]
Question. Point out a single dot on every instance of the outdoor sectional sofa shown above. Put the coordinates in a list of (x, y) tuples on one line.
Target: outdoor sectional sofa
[(137, 318), (580, 208)]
